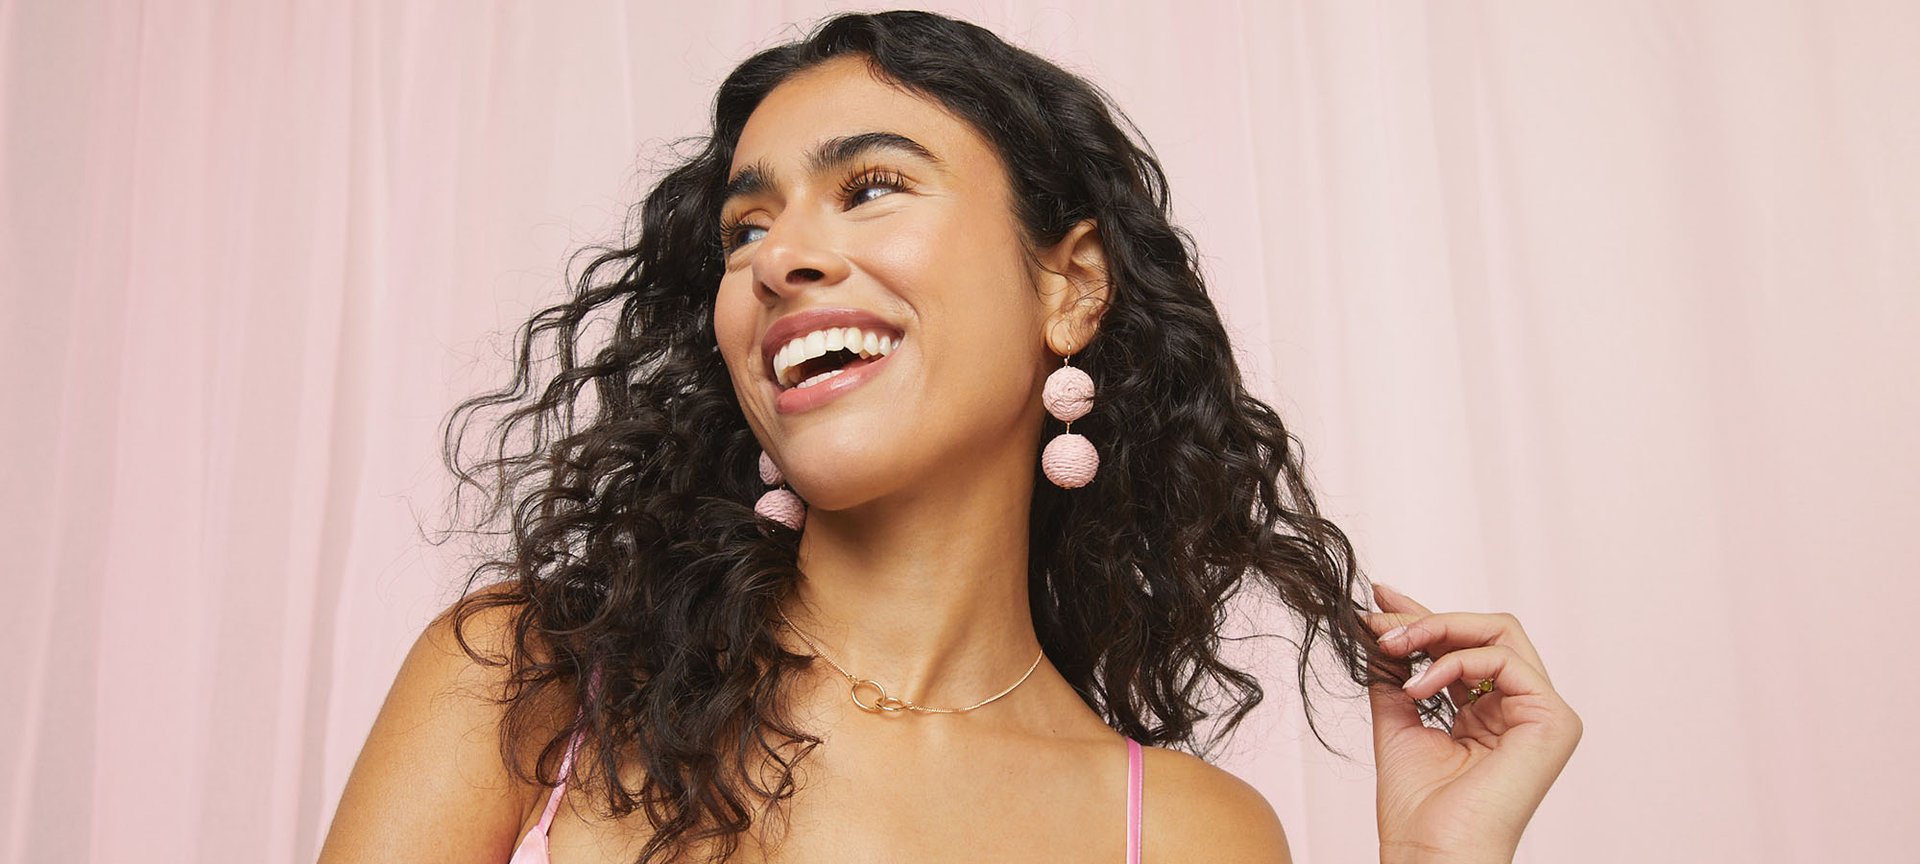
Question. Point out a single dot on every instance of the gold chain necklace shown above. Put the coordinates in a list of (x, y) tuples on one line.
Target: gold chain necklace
[(894, 703)]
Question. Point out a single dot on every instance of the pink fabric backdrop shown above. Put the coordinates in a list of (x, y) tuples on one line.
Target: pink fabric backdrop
[(1603, 314)]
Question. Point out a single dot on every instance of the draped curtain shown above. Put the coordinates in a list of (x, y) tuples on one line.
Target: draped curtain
[(1601, 313)]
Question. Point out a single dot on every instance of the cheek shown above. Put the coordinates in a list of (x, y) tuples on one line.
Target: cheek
[(734, 317), (946, 259), (976, 316), (901, 253)]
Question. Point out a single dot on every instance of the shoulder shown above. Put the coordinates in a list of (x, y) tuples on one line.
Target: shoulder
[(1195, 810), (432, 781), (461, 662)]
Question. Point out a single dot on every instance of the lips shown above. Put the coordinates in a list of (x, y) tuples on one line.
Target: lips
[(794, 400), (806, 321)]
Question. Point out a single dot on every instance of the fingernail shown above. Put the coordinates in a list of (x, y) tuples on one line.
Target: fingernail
[(1389, 588), (1415, 680), (1393, 634)]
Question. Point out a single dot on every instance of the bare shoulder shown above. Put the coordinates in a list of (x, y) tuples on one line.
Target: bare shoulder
[(1193, 810), (431, 782)]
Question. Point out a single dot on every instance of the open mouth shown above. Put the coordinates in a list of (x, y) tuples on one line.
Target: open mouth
[(816, 380), (826, 366), (821, 356)]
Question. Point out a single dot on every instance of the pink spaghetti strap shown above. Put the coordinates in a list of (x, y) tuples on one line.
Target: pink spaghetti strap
[(566, 762), (1134, 776), (559, 789), (533, 847)]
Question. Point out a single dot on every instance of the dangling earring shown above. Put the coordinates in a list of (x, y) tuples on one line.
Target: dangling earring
[(1069, 460), (780, 505)]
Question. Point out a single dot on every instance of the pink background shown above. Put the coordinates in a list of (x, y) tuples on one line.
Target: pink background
[(1603, 314)]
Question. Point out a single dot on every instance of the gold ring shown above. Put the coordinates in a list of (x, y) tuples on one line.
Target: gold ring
[(1478, 690)]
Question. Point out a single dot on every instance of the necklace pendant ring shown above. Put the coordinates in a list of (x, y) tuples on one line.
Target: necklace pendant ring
[(878, 704), (885, 702)]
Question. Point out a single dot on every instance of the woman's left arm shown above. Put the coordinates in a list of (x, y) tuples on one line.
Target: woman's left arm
[(1463, 796)]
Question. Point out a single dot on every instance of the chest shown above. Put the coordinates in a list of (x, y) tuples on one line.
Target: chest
[(853, 806)]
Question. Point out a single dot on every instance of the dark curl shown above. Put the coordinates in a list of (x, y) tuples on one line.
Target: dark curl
[(635, 549)]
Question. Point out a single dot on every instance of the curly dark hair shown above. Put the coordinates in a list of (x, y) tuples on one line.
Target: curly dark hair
[(635, 549)]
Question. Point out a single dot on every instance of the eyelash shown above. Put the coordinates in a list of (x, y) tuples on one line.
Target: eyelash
[(865, 179)]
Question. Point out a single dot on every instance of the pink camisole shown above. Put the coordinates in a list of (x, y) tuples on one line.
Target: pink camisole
[(533, 848)]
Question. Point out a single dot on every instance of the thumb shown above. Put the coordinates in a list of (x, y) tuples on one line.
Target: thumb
[(1393, 712)]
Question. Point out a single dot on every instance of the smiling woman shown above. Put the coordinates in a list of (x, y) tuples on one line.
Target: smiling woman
[(868, 288)]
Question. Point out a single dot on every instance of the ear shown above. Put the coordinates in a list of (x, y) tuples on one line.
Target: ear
[(1074, 288)]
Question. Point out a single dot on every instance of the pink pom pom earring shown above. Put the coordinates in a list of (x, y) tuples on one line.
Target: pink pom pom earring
[(1069, 460), (780, 505)]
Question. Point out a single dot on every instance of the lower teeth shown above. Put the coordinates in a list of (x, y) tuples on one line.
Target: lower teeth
[(818, 378)]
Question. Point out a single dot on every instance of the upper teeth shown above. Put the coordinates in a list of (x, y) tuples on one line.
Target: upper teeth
[(800, 350)]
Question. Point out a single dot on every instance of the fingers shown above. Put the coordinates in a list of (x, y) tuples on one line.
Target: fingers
[(1391, 600), (1445, 632), (1523, 711), (1511, 675), (1393, 712), (1400, 610), (1438, 634)]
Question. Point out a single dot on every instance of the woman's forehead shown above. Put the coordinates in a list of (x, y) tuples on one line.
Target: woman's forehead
[(840, 99)]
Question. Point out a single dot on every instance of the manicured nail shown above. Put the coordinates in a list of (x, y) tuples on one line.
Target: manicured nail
[(1416, 679), (1393, 634)]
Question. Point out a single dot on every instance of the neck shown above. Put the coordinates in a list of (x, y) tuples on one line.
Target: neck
[(924, 593)]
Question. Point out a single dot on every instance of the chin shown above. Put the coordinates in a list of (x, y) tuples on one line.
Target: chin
[(837, 477), (835, 497)]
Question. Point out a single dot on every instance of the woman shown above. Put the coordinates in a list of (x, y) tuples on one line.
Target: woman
[(1015, 575)]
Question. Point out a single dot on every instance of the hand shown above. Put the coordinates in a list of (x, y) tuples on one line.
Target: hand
[(1465, 794)]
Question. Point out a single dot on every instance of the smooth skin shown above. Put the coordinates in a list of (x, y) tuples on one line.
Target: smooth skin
[(1464, 795), (915, 552), (430, 786)]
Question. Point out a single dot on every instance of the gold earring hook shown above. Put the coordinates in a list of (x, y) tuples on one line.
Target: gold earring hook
[(1056, 326)]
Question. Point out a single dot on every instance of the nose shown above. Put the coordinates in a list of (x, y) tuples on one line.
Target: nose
[(794, 253)]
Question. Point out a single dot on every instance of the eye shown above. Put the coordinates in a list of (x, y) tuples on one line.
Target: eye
[(872, 178), (732, 231)]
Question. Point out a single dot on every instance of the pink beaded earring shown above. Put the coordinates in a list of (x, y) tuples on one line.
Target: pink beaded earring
[(1069, 459), (780, 505)]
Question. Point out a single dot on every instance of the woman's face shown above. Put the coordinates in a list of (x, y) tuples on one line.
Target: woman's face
[(928, 245)]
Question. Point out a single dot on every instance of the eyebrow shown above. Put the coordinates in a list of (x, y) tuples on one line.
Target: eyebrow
[(758, 178)]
